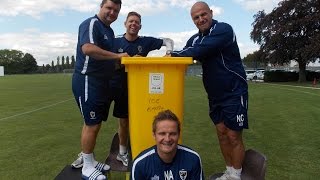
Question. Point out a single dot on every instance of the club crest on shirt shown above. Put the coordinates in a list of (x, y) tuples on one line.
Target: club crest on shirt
[(120, 50), (155, 177), (183, 174), (140, 49), (105, 37), (92, 115)]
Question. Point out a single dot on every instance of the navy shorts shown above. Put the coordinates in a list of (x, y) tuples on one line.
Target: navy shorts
[(120, 97), (119, 88), (93, 96), (232, 111)]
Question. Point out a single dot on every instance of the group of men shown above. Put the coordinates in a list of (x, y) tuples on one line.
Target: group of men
[(99, 79)]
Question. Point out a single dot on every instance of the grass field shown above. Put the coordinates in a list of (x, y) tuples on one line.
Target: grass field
[(40, 128)]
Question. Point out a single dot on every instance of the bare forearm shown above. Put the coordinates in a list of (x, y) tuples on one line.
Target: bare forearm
[(100, 54)]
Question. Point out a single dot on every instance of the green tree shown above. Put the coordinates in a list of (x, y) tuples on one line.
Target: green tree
[(11, 60), (58, 64), (29, 64), (52, 69), (72, 61), (48, 67), (290, 32), (43, 70), (255, 60), (62, 63), (67, 62)]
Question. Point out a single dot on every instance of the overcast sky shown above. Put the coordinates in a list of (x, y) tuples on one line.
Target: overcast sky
[(48, 28)]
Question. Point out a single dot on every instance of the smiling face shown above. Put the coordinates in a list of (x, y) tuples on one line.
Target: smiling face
[(133, 25), (166, 136), (201, 16), (109, 12)]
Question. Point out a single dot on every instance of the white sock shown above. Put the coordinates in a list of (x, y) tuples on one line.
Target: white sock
[(122, 149), (229, 169), (236, 172), (88, 166), (87, 160)]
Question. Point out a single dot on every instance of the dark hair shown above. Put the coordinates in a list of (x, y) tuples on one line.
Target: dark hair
[(114, 1), (133, 13), (165, 115)]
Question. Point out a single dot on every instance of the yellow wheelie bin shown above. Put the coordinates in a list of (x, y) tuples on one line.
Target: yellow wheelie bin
[(154, 84)]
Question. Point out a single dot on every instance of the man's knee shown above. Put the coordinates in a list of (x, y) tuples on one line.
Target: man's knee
[(91, 128), (222, 133)]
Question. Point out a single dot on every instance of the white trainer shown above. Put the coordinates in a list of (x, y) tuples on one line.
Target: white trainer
[(78, 163), (225, 176), (234, 177), (123, 158)]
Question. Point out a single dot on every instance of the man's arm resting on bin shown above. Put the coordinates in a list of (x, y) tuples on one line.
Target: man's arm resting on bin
[(100, 54)]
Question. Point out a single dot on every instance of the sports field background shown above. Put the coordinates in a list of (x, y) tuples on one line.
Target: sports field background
[(40, 127)]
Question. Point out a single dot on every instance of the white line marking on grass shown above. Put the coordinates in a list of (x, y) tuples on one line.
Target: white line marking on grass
[(28, 112), (293, 86), (296, 87)]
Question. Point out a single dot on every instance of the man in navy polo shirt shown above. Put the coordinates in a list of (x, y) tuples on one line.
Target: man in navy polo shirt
[(95, 65), (167, 160), (133, 44)]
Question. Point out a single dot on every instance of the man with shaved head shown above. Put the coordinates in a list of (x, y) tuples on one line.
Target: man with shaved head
[(224, 79)]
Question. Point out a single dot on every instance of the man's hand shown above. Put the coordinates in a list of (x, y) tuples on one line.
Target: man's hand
[(120, 55), (118, 64)]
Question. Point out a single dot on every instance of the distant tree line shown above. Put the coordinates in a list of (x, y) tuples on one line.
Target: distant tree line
[(16, 62), (58, 66)]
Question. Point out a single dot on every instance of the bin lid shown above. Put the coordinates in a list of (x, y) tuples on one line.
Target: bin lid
[(156, 60)]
